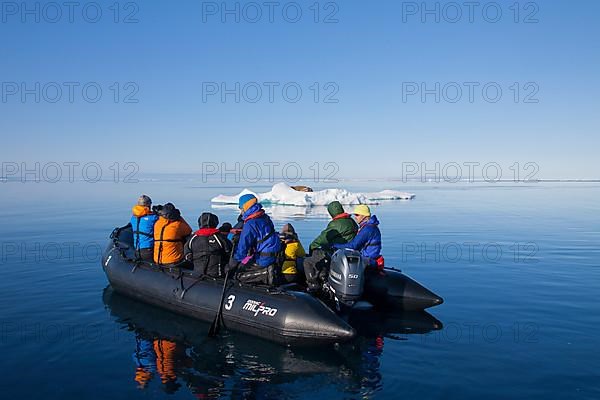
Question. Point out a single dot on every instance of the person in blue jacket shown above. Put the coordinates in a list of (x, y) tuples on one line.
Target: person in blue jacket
[(259, 248), (142, 222), (368, 238)]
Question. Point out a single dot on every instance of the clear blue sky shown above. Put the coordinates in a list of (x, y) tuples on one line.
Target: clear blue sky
[(369, 53)]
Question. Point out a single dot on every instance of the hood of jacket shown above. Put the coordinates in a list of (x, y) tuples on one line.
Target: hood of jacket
[(169, 212), (252, 210), (335, 208), (208, 220), (371, 221), (141, 211)]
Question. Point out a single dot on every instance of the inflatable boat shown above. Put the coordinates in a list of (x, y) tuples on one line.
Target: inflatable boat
[(282, 314)]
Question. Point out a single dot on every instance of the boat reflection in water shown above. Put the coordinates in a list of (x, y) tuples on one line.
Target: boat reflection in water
[(172, 351)]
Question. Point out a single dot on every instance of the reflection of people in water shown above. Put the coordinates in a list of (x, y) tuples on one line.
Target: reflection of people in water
[(159, 356), (168, 356), (244, 367), (145, 361), (170, 362), (370, 367)]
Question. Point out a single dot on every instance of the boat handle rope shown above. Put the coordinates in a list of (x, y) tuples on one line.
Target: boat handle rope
[(392, 269), (180, 277), (201, 278)]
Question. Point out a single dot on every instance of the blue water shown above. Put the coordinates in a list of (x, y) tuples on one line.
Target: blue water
[(518, 266)]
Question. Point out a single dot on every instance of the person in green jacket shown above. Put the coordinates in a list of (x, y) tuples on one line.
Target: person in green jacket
[(341, 229)]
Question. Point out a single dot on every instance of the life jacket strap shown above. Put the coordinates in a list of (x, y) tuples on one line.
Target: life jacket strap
[(268, 254), (171, 240), (261, 241), (143, 233)]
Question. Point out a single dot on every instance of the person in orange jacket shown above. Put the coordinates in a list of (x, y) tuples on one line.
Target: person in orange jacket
[(170, 234)]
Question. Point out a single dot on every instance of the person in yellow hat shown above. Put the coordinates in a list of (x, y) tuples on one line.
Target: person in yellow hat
[(368, 238)]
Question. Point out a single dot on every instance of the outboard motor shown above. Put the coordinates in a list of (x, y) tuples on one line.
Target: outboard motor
[(347, 276)]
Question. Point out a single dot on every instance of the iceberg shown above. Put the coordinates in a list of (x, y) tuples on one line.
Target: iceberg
[(283, 194), (282, 213)]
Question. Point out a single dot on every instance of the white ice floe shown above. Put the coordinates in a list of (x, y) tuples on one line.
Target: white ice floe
[(282, 194), (279, 212)]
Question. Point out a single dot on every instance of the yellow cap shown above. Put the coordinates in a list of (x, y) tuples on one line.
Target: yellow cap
[(362, 209)]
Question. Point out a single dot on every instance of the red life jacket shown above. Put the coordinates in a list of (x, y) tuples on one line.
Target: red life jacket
[(206, 231)]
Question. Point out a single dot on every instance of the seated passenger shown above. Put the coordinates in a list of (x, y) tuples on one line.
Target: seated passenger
[(208, 248), (236, 230), (259, 246), (225, 228), (368, 238), (340, 229), (170, 234), (142, 223), (294, 252)]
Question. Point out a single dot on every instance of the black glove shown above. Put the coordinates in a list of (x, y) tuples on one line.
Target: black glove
[(231, 266)]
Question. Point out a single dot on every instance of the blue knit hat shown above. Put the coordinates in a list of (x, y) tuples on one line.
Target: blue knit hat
[(247, 201)]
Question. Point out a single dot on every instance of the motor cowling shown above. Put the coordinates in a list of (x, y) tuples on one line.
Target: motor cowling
[(347, 276)]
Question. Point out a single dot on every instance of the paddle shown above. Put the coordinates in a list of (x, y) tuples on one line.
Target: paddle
[(216, 325)]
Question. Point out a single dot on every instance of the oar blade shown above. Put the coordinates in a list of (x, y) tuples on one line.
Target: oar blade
[(214, 329), (216, 325)]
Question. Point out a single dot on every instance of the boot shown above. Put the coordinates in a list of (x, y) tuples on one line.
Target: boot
[(272, 277), (254, 277), (323, 275), (313, 287), (258, 275)]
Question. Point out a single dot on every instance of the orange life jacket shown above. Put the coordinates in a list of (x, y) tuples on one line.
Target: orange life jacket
[(169, 238)]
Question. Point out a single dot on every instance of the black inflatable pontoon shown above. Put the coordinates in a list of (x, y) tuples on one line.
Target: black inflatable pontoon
[(281, 315)]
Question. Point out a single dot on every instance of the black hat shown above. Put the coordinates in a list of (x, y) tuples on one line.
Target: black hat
[(208, 220), (169, 212), (226, 227)]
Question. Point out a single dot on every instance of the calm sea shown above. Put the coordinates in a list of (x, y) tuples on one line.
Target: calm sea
[(517, 264)]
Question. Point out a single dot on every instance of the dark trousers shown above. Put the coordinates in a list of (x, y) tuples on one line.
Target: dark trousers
[(289, 278), (145, 254), (316, 268), (214, 271), (258, 275)]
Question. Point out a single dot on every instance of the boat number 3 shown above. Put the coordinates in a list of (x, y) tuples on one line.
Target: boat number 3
[(230, 301)]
